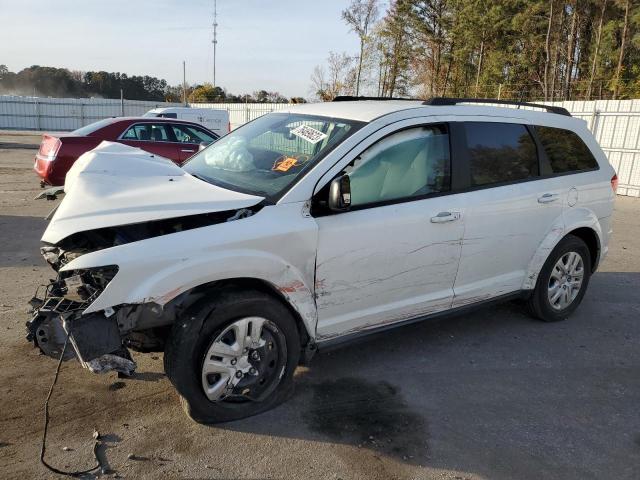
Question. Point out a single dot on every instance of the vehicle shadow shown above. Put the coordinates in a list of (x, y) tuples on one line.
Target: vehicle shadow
[(19, 145), (20, 240), (494, 392)]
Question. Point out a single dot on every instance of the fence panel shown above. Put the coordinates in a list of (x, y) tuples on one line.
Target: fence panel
[(616, 126), (614, 123)]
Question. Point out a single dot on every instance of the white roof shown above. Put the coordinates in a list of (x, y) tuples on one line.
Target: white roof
[(361, 110), (369, 110)]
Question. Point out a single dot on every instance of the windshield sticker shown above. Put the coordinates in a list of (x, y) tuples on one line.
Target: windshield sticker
[(284, 164), (309, 134)]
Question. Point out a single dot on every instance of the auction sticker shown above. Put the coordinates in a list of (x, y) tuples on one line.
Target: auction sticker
[(309, 134)]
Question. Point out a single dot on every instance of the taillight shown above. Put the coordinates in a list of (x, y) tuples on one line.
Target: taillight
[(614, 183), (49, 147)]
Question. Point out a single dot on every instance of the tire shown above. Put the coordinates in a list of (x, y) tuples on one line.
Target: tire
[(215, 320), (539, 304)]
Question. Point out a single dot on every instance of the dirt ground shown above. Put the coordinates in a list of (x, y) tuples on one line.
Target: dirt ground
[(491, 395)]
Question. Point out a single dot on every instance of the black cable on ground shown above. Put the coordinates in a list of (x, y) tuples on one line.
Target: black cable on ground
[(46, 425)]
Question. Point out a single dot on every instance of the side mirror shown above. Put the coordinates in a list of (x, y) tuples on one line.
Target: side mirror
[(202, 146), (340, 194)]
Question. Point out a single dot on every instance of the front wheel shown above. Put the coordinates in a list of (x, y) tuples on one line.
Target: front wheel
[(233, 355), (563, 281)]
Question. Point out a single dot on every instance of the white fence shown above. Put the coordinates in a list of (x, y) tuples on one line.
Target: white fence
[(615, 123), (66, 114), (616, 126)]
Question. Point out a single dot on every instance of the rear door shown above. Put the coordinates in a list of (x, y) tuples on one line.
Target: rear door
[(189, 138), (393, 256), (510, 209), (152, 137)]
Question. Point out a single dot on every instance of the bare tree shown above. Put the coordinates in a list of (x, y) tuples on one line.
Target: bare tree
[(547, 52), (319, 83), (571, 50), (338, 79), (360, 15), (597, 49), (623, 44)]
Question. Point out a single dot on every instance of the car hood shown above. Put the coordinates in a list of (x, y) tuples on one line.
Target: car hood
[(116, 184)]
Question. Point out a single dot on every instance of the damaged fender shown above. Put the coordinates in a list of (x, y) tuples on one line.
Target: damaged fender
[(156, 270), (570, 220)]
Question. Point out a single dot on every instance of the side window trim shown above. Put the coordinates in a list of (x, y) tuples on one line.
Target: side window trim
[(460, 162), (544, 165)]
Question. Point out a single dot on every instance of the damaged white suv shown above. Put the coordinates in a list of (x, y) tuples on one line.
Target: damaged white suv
[(314, 225)]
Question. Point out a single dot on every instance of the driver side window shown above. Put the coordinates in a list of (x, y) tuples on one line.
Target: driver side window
[(410, 163)]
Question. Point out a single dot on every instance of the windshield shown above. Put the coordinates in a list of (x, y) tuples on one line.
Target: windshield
[(92, 127), (266, 156)]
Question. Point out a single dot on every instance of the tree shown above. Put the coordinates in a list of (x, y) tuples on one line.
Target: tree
[(623, 44), (360, 15), (597, 48), (338, 79), (396, 48), (206, 93)]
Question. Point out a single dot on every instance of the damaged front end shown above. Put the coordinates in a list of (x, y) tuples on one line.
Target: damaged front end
[(58, 315), (101, 339)]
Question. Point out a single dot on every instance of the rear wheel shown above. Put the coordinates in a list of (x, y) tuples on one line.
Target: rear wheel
[(563, 281), (233, 356)]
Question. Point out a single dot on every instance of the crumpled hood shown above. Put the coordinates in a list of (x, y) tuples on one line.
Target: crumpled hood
[(115, 184)]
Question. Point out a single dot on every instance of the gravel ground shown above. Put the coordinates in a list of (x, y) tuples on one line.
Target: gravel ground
[(491, 395)]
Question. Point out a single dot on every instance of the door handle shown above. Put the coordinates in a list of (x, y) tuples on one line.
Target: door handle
[(443, 217), (187, 151), (548, 198)]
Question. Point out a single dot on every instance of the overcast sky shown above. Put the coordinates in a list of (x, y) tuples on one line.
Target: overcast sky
[(262, 44)]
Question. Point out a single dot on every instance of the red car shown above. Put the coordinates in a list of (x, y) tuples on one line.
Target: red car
[(169, 138)]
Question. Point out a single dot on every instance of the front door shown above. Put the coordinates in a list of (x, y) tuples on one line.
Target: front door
[(394, 254), (189, 138)]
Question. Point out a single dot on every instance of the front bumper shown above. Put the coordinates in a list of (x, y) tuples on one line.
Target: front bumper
[(95, 338)]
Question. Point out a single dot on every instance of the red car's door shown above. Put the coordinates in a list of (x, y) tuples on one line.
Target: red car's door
[(190, 137), (154, 138)]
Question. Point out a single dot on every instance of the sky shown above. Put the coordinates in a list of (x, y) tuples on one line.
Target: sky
[(262, 44)]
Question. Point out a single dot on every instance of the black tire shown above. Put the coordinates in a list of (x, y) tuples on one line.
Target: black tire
[(193, 334), (539, 305)]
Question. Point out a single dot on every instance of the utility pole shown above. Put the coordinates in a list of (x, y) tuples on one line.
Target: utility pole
[(184, 83), (215, 37)]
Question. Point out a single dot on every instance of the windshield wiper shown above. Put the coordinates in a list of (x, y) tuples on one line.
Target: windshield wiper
[(198, 177)]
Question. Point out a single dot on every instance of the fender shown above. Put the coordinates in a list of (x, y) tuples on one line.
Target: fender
[(159, 269), (172, 279), (571, 219)]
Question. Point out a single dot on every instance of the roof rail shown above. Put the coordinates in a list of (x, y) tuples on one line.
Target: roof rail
[(352, 98), (442, 101)]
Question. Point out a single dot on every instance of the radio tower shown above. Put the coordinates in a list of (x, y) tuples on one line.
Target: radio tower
[(215, 37)]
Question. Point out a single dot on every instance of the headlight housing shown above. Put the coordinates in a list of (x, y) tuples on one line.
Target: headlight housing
[(83, 286)]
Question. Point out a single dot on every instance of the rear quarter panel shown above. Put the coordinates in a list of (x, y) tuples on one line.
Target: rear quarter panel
[(71, 148)]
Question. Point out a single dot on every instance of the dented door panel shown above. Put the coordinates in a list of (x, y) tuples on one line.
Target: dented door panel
[(386, 264), (504, 227)]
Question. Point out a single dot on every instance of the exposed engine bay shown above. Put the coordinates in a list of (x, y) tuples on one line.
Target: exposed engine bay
[(101, 340)]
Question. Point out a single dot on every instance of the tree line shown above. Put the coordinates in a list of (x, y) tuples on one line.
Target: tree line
[(61, 82), (516, 49)]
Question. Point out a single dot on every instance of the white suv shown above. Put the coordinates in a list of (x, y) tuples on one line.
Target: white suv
[(312, 226)]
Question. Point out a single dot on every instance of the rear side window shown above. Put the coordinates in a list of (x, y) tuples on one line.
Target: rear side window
[(500, 152), (566, 150)]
